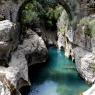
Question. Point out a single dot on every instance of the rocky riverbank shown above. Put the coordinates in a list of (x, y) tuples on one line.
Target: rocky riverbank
[(31, 51), (79, 45)]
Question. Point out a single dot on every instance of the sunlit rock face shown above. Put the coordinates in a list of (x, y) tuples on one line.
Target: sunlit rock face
[(8, 38), (16, 75), (33, 48), (9, 80), (83, 47), (62, 26), (85, 62), (79, 42), (19, 61), (31, 51), (4, 90), (61, 40), (88, 66)]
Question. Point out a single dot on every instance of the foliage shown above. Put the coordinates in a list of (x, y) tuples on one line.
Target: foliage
[(63, 22), (52, 15), (47, 11), (46, 3), (90, 24), (31, 13)]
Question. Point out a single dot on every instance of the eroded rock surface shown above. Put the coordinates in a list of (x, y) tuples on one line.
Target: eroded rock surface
[(31, 51), (8, 38), (33, 48), (80, 45), (85, 62)]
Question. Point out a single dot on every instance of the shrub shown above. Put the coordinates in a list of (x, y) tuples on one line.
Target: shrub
[(52, 15), (36, 12), (90, 24), (31, 12)]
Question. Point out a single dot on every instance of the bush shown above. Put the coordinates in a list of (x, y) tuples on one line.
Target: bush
[(52, 15), (90, 24), (36, 12), (30, 13)]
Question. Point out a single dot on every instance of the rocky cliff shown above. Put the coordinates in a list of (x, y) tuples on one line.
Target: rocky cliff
[(79, 39), (31, 51), (9, 9), (78, 42)]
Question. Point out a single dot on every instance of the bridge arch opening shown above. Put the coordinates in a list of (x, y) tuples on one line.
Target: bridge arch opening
[(62, 3)]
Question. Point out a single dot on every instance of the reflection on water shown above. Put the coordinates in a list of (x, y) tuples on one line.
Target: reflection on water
[(46, 88), (58, 77)]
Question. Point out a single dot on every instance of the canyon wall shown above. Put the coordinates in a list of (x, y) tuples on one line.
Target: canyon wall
[(78, 41), (16, 58)]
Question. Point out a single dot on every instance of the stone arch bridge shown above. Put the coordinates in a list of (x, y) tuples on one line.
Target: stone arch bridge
[(10, 8)]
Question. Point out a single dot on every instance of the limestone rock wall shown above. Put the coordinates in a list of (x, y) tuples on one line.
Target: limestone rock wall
[(33, 48), (83, 47), (9, 9), (31, 51), (79, 43), (8, 39)]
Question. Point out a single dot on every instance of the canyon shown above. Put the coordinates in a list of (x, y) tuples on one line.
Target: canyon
[(75, 35)]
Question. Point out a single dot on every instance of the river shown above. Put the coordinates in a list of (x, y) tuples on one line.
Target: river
[(58, 77)]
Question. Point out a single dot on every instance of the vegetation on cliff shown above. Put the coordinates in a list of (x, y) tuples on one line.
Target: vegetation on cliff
[(34, 13), (89, 23)]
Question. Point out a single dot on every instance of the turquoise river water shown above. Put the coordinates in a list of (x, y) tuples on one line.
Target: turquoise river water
[(57, 77)]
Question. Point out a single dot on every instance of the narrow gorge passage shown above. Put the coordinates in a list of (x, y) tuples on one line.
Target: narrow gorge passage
[(57, 77)]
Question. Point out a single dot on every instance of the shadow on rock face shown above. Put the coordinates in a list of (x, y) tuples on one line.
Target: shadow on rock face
[(25, 90)]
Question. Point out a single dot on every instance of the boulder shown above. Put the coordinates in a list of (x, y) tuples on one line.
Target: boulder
[(8, 38), (33, 48), (4, 90), (15, 76), (31, 51), (9, 80)]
